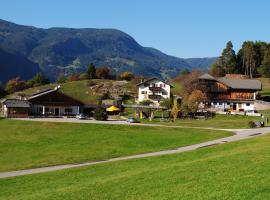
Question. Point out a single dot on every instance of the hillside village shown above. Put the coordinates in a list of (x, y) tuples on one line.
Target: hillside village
[(88, 112)]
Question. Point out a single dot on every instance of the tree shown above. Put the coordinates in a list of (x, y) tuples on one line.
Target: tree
[(228, 60), (217, 70), (166, 103), (15, 85), (61, 78), (264, 69), (103, 73), (91, 71), (38, 79), (248, 58), (100, 113), (2, 90), (74, 77), (190, 104), (175, 109), (194, 99), (128, 76)]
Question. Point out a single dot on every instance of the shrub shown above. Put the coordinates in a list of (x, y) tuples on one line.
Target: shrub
[(146, 102), (252, 124), (126, 76), (100, 114)]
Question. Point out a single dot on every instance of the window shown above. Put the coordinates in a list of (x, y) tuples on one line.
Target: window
[(247, 104), (144, 92), (215, 103), (220, 103)]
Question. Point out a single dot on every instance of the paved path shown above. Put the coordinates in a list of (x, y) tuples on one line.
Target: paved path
[(240, 134)]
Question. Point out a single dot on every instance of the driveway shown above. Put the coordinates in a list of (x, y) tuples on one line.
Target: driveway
[(240, 134)]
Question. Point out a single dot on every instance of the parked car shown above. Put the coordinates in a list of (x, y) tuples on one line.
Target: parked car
[(81, 116), (132, 120), (253, 113)]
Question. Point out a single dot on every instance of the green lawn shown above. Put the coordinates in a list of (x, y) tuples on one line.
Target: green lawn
[(219, 121), (26, 144), (239, 170)]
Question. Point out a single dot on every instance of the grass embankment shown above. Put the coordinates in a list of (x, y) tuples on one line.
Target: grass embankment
[(26, 144), (238, 170)]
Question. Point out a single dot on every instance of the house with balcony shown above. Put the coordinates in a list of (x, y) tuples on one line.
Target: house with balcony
[(229, 93), (154, 90)]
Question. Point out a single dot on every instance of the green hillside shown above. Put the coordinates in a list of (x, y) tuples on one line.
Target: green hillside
[(86, 91)]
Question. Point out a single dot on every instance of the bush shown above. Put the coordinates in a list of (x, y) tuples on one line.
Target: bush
[(252, 124), (100, 114), (146, 102)]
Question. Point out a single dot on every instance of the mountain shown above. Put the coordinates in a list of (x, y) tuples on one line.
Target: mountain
[(201, 63), (68, 50)]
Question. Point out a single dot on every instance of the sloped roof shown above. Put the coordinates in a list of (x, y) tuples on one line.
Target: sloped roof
[(16, 103), (41, 93), (151, 79), (241, 83), (207, 77)]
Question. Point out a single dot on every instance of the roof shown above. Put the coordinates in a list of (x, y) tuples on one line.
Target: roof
[(41, 93), (207, 77), (16, 103), (151, 79), (235, 83), (248, 84)]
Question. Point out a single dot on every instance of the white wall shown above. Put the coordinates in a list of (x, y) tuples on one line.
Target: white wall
[(148, 92), (224, 105)]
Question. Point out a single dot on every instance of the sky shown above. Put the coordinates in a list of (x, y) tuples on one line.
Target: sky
[(182, 28)]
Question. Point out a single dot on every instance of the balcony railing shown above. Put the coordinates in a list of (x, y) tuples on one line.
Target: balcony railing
[(155, 97), (155, 89)]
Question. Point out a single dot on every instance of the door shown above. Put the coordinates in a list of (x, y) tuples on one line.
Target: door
[(234, 106), (56, 111)]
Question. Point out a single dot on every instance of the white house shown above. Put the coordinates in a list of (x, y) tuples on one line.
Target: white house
[(153, 89)]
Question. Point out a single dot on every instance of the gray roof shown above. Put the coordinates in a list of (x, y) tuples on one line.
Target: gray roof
[(248, 84), (16, 103), (41, 93), (154, 78), (207, 77)]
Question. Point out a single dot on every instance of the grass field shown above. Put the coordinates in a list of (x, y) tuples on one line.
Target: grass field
[(26, 144), (219, 121), (239, 170)]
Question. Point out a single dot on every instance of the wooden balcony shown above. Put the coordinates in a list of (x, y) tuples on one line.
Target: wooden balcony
[(155, 89), (155, 97)]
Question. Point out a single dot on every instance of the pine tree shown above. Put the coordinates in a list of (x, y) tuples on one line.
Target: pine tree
[(91, 71), (264, 69), (228, 59)]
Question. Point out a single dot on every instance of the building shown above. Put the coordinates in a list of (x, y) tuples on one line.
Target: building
[(51, 102), (14, 108), (153, 89), (229, 93)]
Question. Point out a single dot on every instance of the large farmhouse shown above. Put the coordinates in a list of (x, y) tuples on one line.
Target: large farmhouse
[(154, 90), (232, 92), (48, 102)]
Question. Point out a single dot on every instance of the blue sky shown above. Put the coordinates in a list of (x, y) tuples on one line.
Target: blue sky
[(183, 28)]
